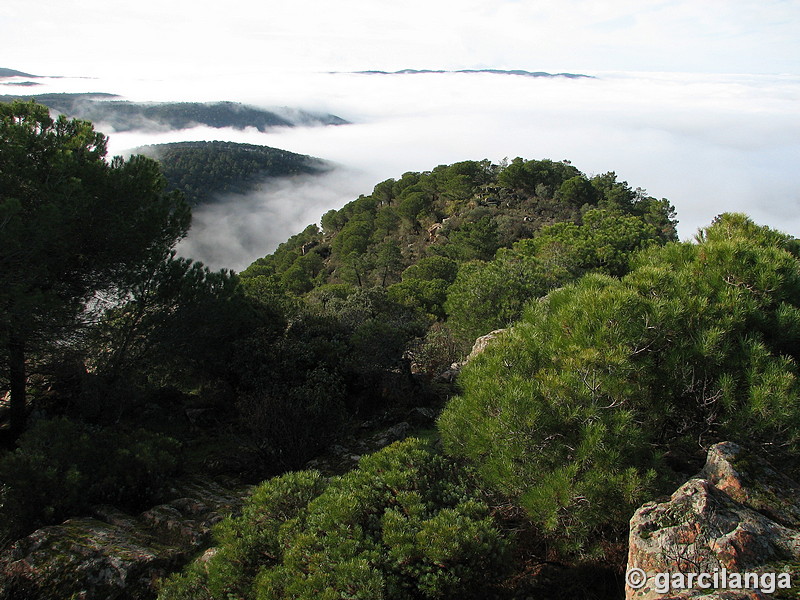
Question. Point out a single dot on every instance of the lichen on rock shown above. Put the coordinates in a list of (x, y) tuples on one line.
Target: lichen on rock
[(113, 555), (738, 515)]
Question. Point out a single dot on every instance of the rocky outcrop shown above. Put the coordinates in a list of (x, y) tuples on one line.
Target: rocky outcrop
[(113, 555), (477, 348), (482, 342), (737, 522)]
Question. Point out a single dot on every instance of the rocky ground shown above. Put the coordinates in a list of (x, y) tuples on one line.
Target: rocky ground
[(738, 516), (113, 555)]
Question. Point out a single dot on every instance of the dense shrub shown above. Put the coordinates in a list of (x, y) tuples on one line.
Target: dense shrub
[(573, 411), (434, 353), (428, 295), (490, 295), (61, 468), (403, 525), (290, 423)]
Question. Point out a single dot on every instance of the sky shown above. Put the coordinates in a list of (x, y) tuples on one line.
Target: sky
[(147, 37), (696, 101)]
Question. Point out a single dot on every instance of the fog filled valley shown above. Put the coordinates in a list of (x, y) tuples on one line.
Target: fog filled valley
[(711, 143), (403, 334)]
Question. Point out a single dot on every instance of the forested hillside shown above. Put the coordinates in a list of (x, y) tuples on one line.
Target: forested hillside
[(468, 244), (14, 73), (624, 354), (203, 170), (122, 115)]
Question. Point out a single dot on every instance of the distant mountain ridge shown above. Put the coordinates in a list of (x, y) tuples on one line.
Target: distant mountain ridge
[(518, 72), (14, 73), (122, 115)]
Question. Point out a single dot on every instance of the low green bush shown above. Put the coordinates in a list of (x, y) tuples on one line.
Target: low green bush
[(574, 413), (406, 524)]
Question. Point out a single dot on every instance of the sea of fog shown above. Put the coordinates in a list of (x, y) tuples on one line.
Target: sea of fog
[(708, 143)]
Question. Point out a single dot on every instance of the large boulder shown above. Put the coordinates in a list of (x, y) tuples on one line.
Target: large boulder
[(113, 555), (737, 522)]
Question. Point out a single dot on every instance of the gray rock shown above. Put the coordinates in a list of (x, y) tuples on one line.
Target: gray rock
[(482, 342), (86, 558), (478, 347), (737, 516), (113, 555)]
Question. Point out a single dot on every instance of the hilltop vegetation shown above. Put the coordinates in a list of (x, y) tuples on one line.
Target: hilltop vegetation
[(439, 242), (204, 170), (14, 73)]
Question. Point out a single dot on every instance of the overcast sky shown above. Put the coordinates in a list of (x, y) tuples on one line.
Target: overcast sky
[(164, 37), (697, 101)]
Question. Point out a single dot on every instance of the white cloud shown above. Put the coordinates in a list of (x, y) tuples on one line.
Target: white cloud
[(240, 228), (708, 143)]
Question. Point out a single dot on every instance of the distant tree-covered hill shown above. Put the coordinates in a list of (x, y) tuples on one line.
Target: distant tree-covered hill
[(21, 83), (14, 73), (122, 115), (203, 170)]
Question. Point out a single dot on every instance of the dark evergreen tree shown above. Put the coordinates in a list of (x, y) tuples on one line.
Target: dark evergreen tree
[(74, 227)]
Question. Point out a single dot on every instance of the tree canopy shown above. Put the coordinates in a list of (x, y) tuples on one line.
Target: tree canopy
[(579, 410), (74, 226)]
